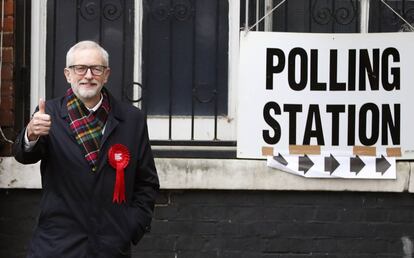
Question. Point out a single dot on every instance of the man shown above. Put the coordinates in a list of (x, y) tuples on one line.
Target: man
[(98, 174)]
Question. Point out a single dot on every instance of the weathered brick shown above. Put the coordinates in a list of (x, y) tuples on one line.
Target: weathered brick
[(7, 103), (158, 242), (181, 229), (165, 212), (8, 24), (8, 39), (198, 243), (210, 213), (9, 7), (7, 88), (401, 215), (322, 214), (163, 198), (8, 55), (7, 72), (197, 254)]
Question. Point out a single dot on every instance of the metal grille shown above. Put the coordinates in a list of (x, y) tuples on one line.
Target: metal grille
[(319, 16), (106, 22), (382, 19), (185, 74)]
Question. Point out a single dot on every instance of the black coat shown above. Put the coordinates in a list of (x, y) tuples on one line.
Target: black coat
[(77, 216)]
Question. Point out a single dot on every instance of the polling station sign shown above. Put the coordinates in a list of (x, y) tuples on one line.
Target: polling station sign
[(330, 94)]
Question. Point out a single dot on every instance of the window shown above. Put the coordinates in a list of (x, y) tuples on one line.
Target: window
[(184, 85)]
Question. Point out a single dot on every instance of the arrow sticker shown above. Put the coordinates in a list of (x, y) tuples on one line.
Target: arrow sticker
[(305, 163), (331, 164), (382, 165), (279, 158), (357, 164)]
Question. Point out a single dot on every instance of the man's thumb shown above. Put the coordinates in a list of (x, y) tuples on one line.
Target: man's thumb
[(42, 106)]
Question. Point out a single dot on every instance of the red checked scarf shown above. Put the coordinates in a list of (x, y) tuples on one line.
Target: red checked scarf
[(87, 126)]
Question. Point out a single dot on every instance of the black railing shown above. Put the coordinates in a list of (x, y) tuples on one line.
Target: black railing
[(382, 19), (185, 74), (319, 16)]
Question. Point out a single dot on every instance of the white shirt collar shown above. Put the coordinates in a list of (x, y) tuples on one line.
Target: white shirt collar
[(96, 106)]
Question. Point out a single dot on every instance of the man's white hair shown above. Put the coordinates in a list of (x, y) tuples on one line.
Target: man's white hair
[(86, 44)]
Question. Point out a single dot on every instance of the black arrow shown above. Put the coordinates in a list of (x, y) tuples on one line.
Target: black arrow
[(305, 163), (357, 164), (331, 164), (279, 158), (382, 165)]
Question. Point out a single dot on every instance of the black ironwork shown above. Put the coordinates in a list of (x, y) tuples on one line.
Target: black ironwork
[(107, 22), (89, 10), (22, 64), (185, 67), (112, 11), (382, 19), (307, 16), (127, 93), (92, 10), (343, 15), (182, 10)]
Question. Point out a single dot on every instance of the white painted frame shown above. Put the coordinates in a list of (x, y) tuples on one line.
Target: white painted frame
[(38, 53)]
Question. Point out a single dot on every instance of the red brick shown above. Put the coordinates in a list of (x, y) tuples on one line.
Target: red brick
[(8, 55), (7, 88), (9, 24), (8, 39), (9, 7), (7, 72), (7, 104)]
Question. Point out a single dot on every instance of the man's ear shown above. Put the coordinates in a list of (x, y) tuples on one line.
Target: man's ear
[(107, 73), (66, 72)]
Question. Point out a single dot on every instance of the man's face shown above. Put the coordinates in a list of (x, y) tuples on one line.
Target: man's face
[(87, 87)]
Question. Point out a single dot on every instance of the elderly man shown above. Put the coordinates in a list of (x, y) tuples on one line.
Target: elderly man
[(98, 174)]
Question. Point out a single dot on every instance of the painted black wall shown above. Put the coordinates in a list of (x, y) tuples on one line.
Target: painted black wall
[(250, 224)]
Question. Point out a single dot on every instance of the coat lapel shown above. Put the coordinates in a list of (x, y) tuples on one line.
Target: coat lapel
[(114, 118)]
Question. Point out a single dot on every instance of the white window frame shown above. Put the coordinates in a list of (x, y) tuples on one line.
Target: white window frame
[(38, 53)]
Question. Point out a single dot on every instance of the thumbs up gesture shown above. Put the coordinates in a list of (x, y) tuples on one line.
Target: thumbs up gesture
[(40, 123)]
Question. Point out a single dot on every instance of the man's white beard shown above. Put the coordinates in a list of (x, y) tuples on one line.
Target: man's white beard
[(83, 93), (88, 93)]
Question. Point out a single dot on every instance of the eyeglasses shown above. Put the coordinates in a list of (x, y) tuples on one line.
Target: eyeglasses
[(83, 69)]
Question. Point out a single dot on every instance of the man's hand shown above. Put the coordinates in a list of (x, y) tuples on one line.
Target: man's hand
[(40, 123)]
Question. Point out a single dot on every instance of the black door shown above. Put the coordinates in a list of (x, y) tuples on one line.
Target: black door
[(108, 22)]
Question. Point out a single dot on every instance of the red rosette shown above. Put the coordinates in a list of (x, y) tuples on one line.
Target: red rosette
[(119, 156)]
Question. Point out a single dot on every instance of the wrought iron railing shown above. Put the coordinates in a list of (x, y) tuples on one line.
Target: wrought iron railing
[(184, 78)]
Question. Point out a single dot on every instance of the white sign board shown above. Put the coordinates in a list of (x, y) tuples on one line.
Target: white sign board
[(335, 91)]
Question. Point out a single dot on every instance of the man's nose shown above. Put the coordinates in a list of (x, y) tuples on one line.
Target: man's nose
[(88, 73)]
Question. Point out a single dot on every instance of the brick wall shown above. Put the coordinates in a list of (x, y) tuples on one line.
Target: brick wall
[(7, 80), (250, 224)]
